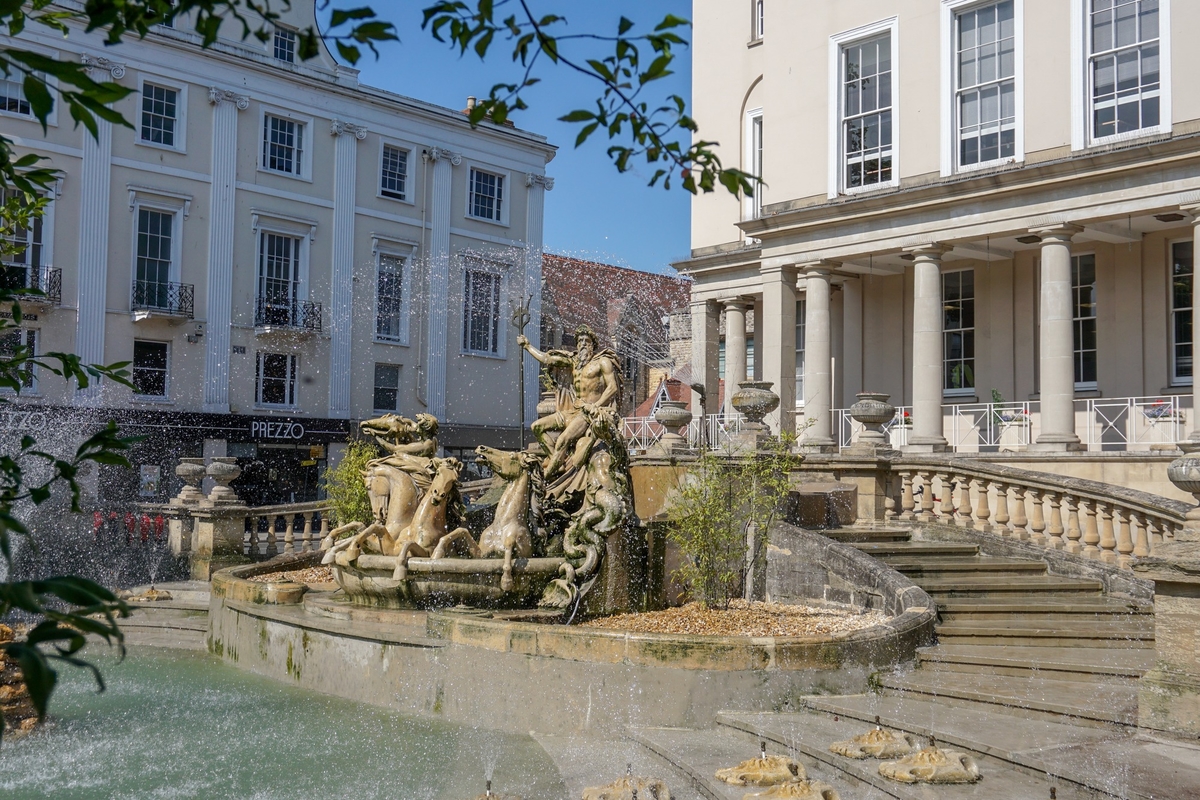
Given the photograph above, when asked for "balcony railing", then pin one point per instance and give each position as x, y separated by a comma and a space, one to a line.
164, 297
46, 280
299, 314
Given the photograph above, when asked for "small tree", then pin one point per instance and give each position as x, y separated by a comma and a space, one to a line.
720, 516
344, 483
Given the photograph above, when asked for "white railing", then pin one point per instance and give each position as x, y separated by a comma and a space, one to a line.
1118, 423
642, 433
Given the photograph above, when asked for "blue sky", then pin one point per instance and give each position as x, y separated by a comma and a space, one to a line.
594, 212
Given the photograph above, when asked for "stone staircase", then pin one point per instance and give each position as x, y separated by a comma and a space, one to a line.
1033, 674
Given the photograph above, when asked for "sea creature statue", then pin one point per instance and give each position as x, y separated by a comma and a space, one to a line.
426, 535
932, 765
876, 743
510, 534
630, 787
763, 771
796, 790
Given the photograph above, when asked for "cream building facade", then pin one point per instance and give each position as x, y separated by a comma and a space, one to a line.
277, 249
965, 200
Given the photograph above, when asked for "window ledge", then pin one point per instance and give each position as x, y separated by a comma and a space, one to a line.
292, 175
391, 199
948, 397
498, 223
477, 354
754, 42
391, 342
156, 146
286, 410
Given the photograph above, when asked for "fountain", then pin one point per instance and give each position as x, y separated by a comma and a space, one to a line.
557, 508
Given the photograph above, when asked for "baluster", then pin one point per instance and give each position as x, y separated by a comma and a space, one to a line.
1020, 522
1091, 533
1168, 530
1055, 531
907, 504
289, 534
982, 512
307, 534
963, 513
271, 543
1141, 534
1153, 533
927, 514
252, 548
324, 525
1037, 525
889, 498
1001, 518
1124, 539
1074, 534
946, 511
247, 534
1108, 539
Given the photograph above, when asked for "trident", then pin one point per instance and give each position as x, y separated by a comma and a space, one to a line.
521, 318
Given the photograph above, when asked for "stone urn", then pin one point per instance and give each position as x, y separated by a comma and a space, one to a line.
675, 416
1184, 472
754, 400
873, 411
191, 471
223, 471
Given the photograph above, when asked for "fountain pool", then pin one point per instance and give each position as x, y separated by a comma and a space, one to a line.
175, 724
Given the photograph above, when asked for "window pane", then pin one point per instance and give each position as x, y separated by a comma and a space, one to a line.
394, 173
159, 110
150, 369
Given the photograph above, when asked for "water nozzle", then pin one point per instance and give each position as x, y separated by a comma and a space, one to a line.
628, 767
877, 725
1053, 793
488, 791
762, 749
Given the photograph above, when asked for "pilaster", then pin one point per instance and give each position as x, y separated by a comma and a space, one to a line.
535, 216
438, 312
705, 335
779, 341
341, 319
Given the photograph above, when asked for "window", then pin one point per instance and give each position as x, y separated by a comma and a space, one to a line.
389, 299
152, 275
985, 68
278, 279
1182, 277
1083, 305
754, 139
801, 310
486, 195
1123, 66
481, 312
393, 177
21, 343
958, 331
759, 19
160, 112
23, 249
866, 109
12, 94
275, 379
285, 45
283, 144
387, 387
150, 369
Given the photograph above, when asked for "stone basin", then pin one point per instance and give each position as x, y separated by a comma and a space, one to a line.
440, 582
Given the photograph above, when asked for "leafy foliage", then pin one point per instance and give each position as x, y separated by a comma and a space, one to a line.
344, 483
720, 504
659, 134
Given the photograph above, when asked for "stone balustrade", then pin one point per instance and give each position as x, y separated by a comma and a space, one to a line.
285, 529
1093, 520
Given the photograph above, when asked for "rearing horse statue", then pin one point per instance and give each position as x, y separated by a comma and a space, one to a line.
509, 534
426, 535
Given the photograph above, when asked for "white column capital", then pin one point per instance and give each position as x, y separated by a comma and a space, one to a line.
545, 181
931, 251
217, 95
439, 153
339, 128
1057, 232
101, 64
739, 303
822, 267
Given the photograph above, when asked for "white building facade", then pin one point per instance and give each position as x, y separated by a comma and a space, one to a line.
966, 202
278, 250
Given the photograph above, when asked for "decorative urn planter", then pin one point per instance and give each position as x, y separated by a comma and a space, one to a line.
223, 471
675, 416
754, 400
191, 471
1184, 472
873, 411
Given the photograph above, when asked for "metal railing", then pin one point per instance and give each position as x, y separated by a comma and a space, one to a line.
284, 313
165, 297
642, 433
1131, 423
847, 430
46, 280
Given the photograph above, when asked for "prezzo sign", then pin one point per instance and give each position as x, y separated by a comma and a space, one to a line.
277, 430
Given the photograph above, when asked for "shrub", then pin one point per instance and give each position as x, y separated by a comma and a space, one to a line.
344, 483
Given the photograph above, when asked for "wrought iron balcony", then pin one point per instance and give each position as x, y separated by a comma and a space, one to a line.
287, 313
164, 297
46, 280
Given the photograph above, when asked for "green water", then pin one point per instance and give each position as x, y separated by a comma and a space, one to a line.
175, 724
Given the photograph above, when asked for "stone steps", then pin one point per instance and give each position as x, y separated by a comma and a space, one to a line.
1007, 635
1053, 611
999, 586
1017, 660
883, 550
940, 566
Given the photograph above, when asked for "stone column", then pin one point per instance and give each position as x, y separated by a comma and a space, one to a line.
818, 354
927, 350
221, 233
538, 185
758, 338
439, 280
735, 350
705, 333
779, 341
95, 186
1193, 442
1057, 341
341, 311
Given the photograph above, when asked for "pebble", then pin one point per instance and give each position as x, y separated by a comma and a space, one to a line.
743, 618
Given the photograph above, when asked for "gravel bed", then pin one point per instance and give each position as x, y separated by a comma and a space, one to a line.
308, 576
744, 619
